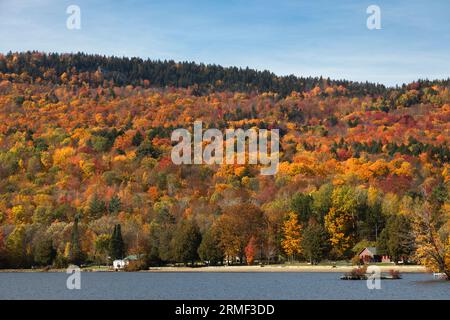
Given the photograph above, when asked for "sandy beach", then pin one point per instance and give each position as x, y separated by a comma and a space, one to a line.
243, 268
284, 268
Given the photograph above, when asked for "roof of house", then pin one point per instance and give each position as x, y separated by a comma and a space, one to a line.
133, 257
372, 250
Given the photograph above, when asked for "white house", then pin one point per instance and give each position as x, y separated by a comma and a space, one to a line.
120, 264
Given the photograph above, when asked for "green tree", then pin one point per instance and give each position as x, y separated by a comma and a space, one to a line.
97, 207
315, 243
186, 240
116, 245
114, 204
153, 257
101, 245
161, 233
301, 205
396, 239
137, 139
210, 249
372, 220
166, 233
147, 149
76, 255
100, 144
322, 201
44, 252
16, 247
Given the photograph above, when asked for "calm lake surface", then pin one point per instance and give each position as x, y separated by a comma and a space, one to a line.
273, 285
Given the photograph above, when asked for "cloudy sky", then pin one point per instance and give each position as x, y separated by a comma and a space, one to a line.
305, 38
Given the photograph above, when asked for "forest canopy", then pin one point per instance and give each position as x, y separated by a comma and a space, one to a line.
86, 174
136, 71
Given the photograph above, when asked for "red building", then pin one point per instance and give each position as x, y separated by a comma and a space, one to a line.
369, 254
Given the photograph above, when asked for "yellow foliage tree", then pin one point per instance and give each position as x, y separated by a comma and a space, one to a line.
61, 156
292, 232
338, 223
432, 239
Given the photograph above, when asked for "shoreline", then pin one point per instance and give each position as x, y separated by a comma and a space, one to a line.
286, 268
243, 268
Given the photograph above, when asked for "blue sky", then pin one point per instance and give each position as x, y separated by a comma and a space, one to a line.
302, 37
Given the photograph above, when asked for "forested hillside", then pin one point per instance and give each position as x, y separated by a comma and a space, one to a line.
80, 68
86, 172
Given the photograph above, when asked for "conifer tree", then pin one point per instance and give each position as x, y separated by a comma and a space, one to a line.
116, 246
75, 253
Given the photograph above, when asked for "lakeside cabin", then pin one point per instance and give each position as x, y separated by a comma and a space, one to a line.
369, 254
120, 264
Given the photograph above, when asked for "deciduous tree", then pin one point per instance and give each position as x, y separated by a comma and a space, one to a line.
210, 249
292, 236
250, 251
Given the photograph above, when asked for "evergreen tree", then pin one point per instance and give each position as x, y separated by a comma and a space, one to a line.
75, 254
97, 207
117, 246
137, 139
165, 242
204, 78
186, 241
153, 256
147, 149
114, 204
315, 243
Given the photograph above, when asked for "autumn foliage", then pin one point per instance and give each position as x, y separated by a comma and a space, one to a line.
86, 136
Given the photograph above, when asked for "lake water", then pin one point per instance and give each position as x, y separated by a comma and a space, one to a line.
146, 285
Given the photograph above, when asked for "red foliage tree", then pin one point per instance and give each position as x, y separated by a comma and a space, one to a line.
250, 251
